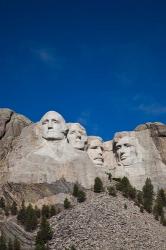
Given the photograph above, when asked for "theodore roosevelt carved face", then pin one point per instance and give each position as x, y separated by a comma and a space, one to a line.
95, 150
53, 126
77, 136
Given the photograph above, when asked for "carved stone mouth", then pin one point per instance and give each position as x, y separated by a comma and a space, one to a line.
123, 158
99, 159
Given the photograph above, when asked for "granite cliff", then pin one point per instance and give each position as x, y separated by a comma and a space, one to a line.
40, 162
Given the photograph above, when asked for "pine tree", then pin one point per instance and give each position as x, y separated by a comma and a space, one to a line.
125, 206
98, 185
132, 192
67, 203
40, 247
38, 212
72, 247
159, 204
10, 245
3, 245
45, 211
81, 196
141, 209
75, 190
52, 210
158, 207
139, 197
31, 219
21, 216
45, 232
2, 203
6, 209
148, 195
162, 196
125, 184
13, 208
16, 245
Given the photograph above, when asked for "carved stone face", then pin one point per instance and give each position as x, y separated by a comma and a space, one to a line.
53, 126
125, 151
95, 151
77, 136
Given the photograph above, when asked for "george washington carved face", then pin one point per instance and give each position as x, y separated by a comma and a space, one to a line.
53, 126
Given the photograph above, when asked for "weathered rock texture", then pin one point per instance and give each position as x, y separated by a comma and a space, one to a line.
38, 164
11, 125
36, 160
102, 223
139, 154
12, 230
41, 154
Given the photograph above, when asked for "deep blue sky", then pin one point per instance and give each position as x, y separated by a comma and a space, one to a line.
102, 63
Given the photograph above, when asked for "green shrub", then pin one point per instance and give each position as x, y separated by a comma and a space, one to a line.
3, 245
98, 185
45, 211
148, 195
21, 216
16, 245
38, 212
75, 190
67, 203
13, 208
45, 232
10, 245
139, 197
111, 191
81, 196
2, 203
53, 211
141, 209
30, 219
125, 206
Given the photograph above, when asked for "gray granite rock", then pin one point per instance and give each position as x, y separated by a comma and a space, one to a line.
11, 125
102, 223
140, 154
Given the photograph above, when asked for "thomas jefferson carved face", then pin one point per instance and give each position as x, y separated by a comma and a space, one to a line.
125, 150
95, 150
77, 136
53, 126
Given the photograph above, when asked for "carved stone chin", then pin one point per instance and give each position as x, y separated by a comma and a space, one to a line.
95, 150
77, 136
53, 126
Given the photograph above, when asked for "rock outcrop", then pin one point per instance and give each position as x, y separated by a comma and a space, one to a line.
139, 154
51, 151
11, 125
11, 228
42, 156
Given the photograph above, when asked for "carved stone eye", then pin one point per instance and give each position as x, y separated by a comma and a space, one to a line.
54, 121
44, 122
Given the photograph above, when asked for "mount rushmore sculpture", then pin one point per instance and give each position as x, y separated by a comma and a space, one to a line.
52, 150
